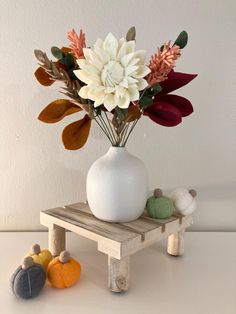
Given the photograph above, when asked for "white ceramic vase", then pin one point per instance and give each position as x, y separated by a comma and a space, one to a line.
117, 186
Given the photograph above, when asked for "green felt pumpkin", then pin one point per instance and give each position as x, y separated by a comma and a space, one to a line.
28, 279
159, 206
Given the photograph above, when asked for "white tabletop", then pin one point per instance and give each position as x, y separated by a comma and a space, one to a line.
202, 281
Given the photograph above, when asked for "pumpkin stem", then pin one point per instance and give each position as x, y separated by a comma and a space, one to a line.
64, 257
158, 193
193, 193
36, 249
27, 262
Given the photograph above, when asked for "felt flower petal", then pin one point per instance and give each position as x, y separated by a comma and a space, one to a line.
175, 80
164, 114
181, 103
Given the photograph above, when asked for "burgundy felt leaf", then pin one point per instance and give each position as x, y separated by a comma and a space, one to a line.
182, 104
175, 80
164, 114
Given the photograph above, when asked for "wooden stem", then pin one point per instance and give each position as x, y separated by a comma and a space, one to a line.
118, 274
56, 239
175, 244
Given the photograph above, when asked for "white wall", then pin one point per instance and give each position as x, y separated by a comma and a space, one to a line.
37, 173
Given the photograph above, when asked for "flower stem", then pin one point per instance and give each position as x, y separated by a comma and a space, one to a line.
132, 127
111, 128
123, 134
107, 129
104, 131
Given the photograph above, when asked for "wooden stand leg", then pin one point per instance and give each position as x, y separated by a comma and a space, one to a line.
118, 274
56, 239
175, 244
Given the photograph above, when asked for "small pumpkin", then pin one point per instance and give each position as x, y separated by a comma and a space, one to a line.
159, 206
184, 201
39, 256
28, 279
63, 271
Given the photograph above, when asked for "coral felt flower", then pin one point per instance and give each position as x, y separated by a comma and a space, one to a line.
113, 73
162, 63
168, 109
77, 43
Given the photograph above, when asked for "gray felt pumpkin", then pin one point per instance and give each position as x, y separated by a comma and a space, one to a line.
28, 279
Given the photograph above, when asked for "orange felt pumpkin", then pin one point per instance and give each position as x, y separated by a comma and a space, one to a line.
63, 271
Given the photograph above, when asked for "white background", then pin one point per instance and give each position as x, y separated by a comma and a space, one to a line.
37, 173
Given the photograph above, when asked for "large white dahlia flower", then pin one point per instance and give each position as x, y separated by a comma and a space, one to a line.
114, 72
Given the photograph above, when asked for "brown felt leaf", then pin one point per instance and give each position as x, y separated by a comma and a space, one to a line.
133, 113
75, 135
131, 34
65, 49
39, 55
57, 110
43, 77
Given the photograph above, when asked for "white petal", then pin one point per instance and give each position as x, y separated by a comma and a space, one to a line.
109, 102
123, 102
86, 66
120, 91
103, 56
141, 55
134, 61
81, 63
124, 83
109, 89
82, 75
131, 69
133, 93
126, 48
87, 54
142, 83
132, 80
83, 92
98, 44
126, 59
98, 101
141, 72
110, 45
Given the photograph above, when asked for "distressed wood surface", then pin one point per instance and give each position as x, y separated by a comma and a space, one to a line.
56, 239
117, 240
175, 245
118, 274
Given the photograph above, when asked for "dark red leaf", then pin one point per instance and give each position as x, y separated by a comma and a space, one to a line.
164, 114
181, 103
175, 80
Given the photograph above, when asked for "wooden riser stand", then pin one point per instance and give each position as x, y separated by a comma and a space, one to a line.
118, 240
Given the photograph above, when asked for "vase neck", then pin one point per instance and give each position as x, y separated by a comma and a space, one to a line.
117, 151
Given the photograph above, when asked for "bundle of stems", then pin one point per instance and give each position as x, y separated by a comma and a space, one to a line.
118, 136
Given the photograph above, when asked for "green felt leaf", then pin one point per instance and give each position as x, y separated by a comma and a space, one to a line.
156, 88
182, 39
162, 47
146, 101
121, 113
57, 53
67, 60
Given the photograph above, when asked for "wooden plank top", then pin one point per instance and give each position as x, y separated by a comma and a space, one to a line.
91, 223
115, 239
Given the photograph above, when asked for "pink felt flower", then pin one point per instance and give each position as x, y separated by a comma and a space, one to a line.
162, 63
77, 43
168, 109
